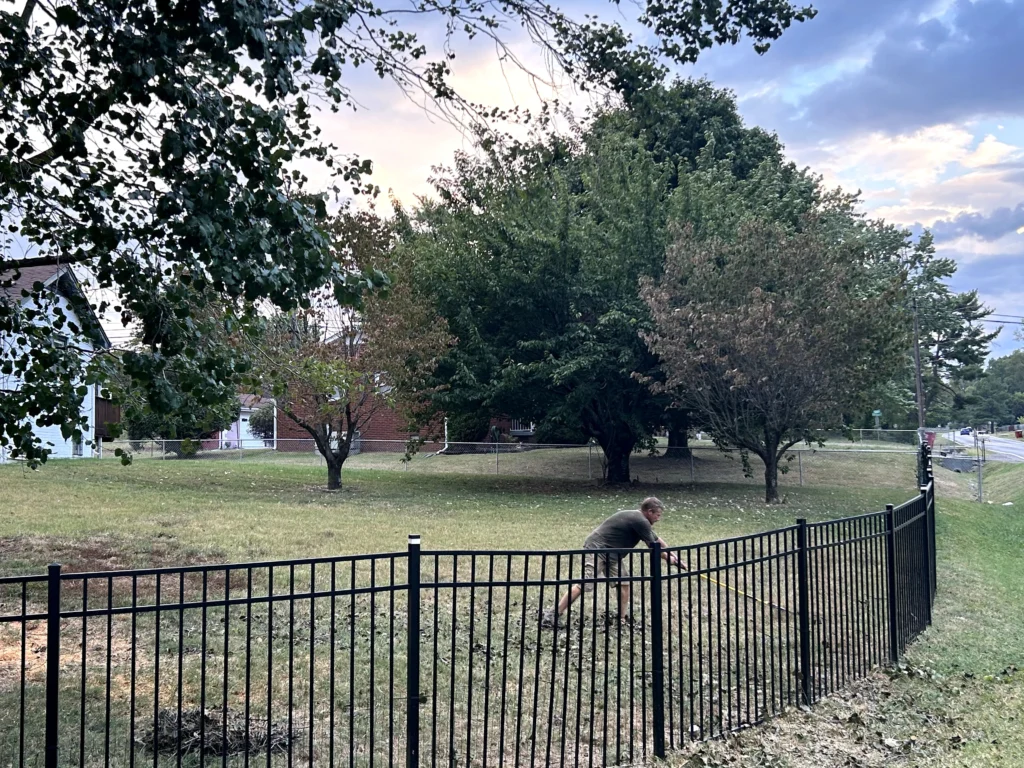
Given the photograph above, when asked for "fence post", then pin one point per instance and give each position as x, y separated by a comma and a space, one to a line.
931, 538
657, 654
52, 665
926, 541
804, 611
890, 569
412, 684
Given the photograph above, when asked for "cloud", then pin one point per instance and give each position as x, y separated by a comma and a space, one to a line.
997, 280
998, 224
404, 135
990, 151
910, 160
930, 72
841, 30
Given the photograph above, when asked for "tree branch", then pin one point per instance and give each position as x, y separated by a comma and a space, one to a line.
102, 102
46, 261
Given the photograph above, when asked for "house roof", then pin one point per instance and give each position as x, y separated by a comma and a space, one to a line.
62, 278
28, 277
252, 401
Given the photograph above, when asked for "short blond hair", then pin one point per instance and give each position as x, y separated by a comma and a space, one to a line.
651, 503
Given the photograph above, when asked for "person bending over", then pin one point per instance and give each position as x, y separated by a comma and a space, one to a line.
623, 530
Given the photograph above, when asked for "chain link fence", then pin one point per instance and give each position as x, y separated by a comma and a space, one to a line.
855, 463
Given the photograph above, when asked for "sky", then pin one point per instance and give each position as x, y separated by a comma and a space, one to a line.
917, 103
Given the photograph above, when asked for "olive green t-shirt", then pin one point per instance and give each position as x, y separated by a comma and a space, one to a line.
623, 530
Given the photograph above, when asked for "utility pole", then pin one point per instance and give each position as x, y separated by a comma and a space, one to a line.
978, 447
917, 375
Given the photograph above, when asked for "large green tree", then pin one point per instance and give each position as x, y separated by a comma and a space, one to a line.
770, 334
160, 144
954, 341
687, 124
999, 395
533, 256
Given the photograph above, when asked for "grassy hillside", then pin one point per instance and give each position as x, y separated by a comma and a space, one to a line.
958, 699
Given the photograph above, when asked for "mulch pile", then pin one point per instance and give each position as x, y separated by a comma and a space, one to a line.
205, 732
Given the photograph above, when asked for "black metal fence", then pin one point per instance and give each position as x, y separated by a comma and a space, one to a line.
441, 657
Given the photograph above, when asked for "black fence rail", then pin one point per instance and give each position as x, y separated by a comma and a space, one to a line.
442, 657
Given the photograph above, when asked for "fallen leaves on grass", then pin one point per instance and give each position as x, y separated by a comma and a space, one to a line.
901, 716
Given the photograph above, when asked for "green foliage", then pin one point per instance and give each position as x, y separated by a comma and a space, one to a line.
192, 421
771, 335
679, 121
999, 395
544, 299
468, 427
331, 369
262, 420
560, 229
161, 146
954, 343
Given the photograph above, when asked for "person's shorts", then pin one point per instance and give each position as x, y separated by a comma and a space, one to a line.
600, 565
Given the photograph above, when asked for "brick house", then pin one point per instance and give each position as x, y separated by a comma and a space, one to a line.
384, 431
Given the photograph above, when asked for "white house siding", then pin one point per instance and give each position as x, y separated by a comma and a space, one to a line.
51, 435
238, 435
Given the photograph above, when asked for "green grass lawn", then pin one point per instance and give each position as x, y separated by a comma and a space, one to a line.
100, 514
958, 702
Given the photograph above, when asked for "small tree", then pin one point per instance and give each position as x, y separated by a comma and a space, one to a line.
331, 369
772, 335
261, 422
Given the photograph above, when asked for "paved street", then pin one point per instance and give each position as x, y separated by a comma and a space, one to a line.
996, 448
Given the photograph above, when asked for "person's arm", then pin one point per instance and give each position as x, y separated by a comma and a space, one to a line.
670, 557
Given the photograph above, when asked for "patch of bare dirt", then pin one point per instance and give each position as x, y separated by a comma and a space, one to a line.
11, 651
99, 553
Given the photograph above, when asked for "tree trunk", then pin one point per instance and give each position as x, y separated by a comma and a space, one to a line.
771, 473
618, 465
617, 450
678, 444
771, 482
678, 436
334, 473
